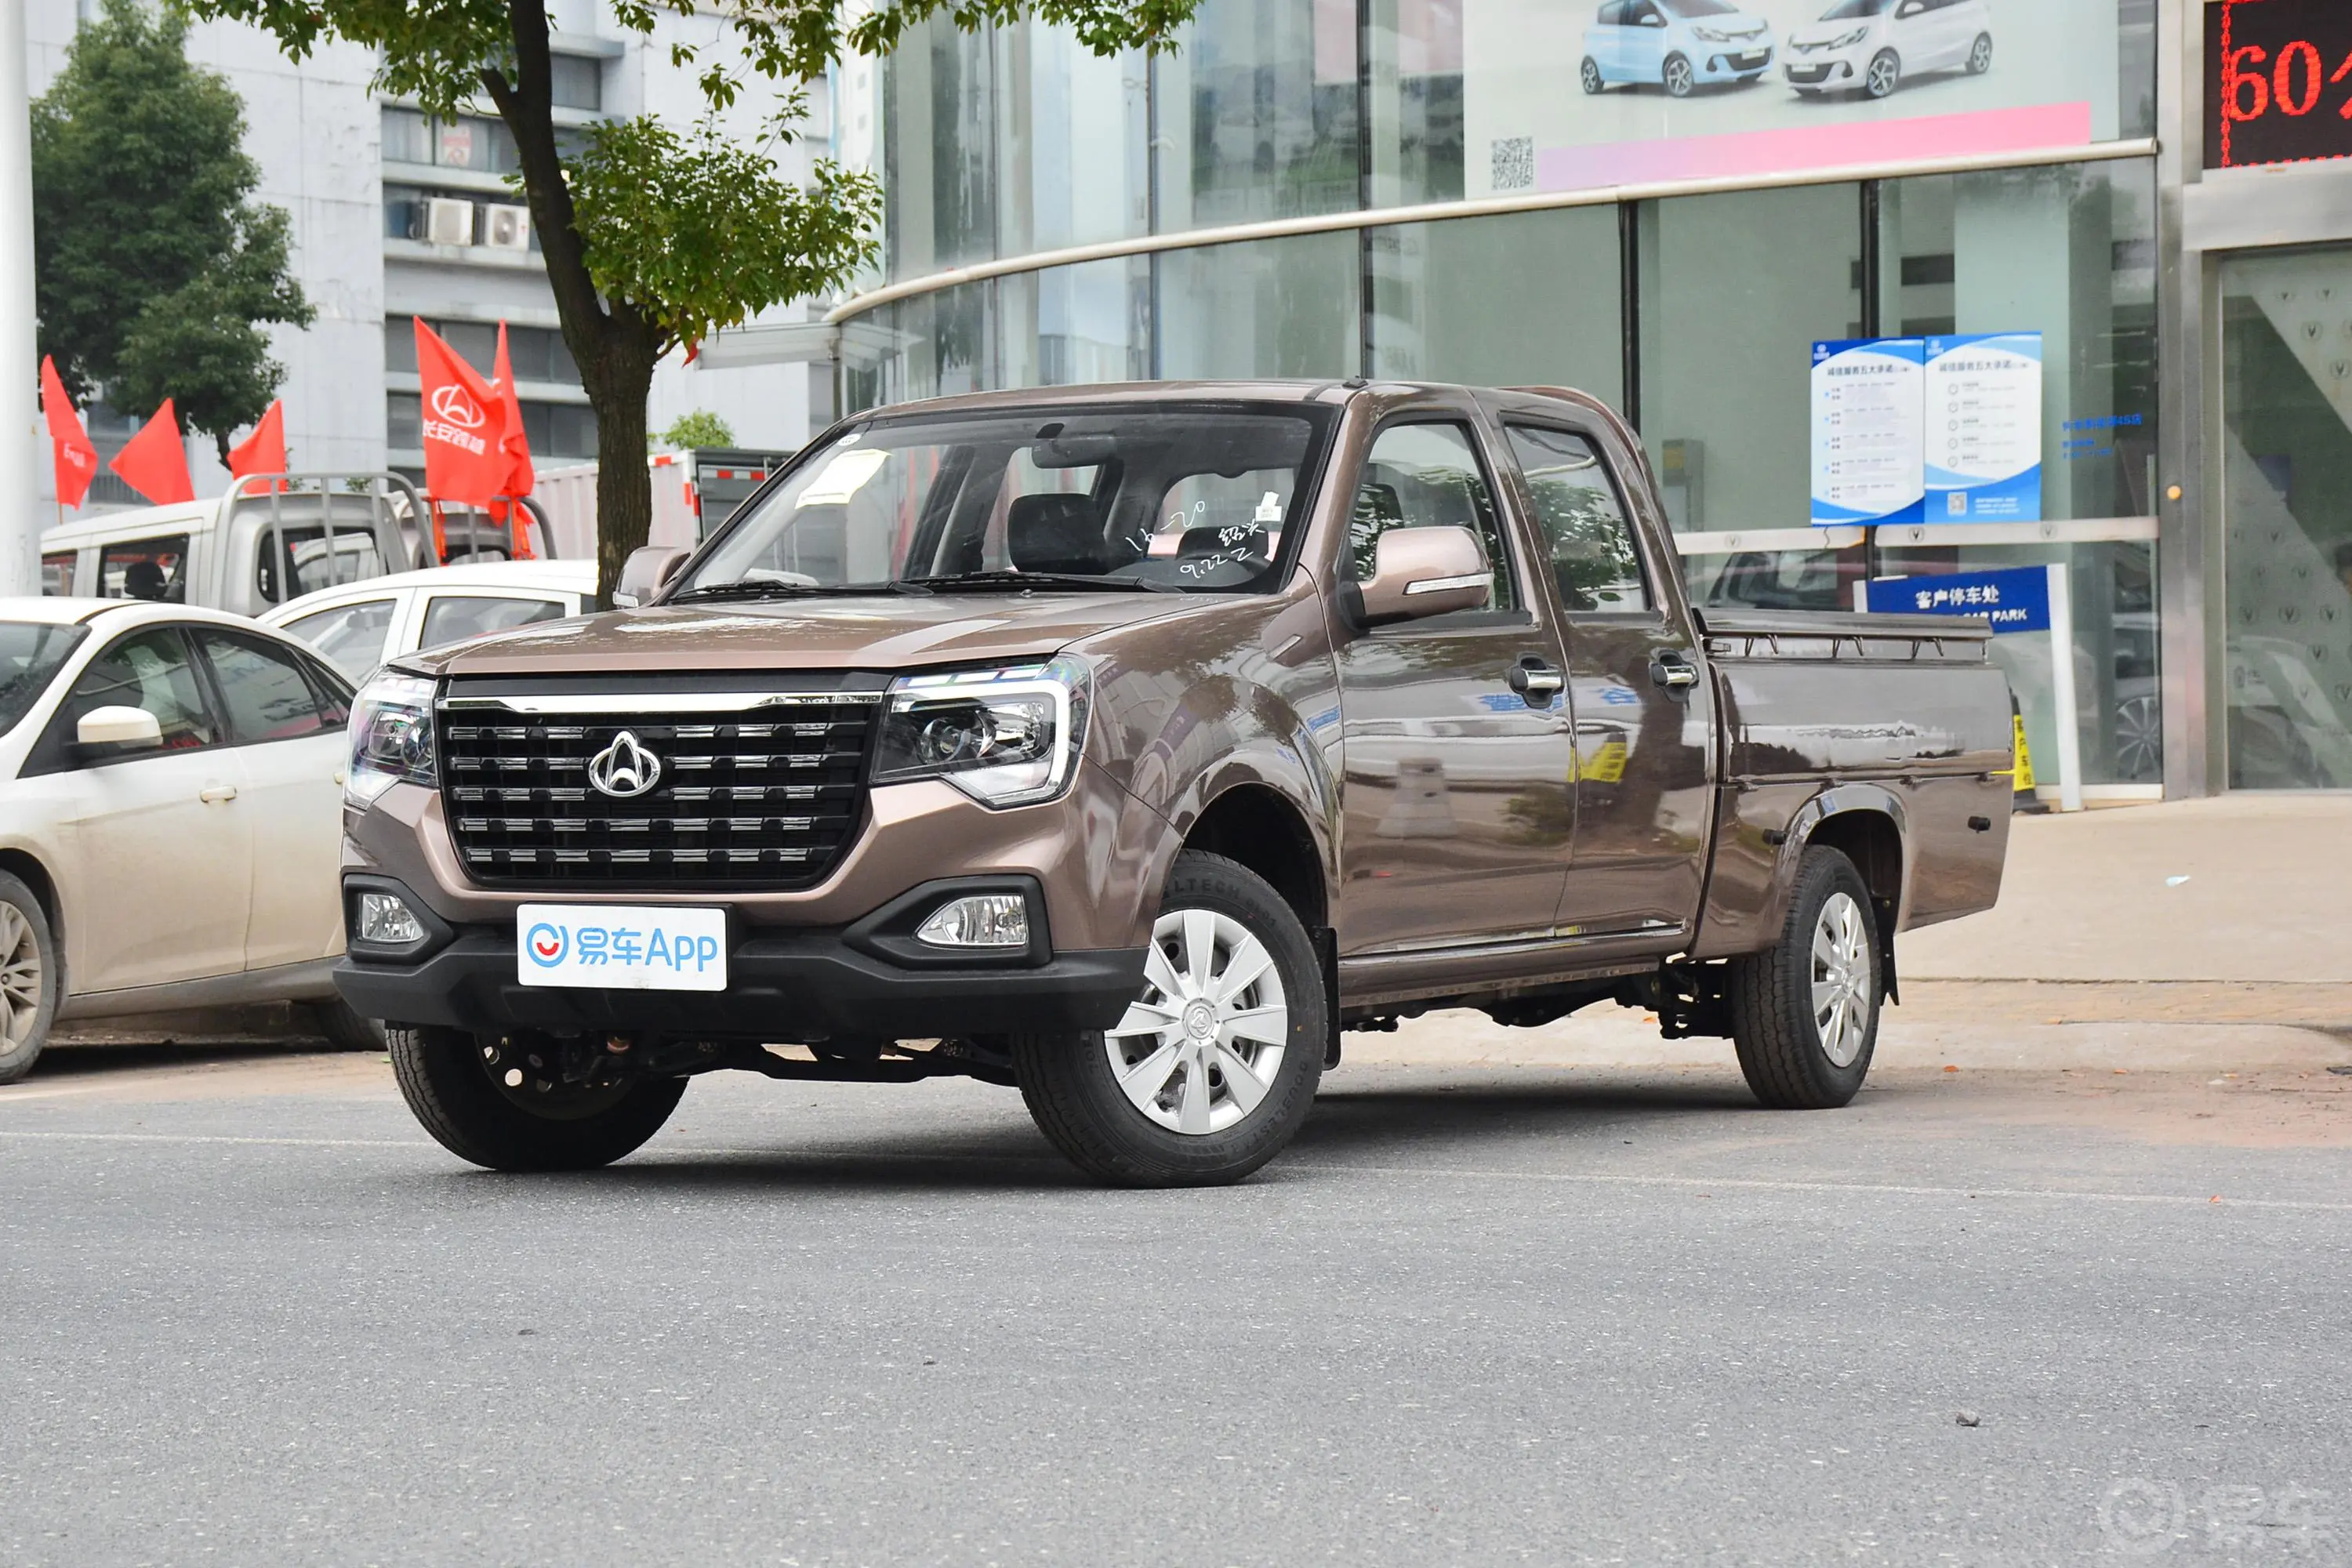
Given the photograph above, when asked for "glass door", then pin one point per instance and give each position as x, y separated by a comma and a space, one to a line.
2286, 479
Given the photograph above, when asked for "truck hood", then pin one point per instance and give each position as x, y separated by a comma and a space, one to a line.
885, 632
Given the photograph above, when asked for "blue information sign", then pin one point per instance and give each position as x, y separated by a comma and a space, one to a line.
2013, 600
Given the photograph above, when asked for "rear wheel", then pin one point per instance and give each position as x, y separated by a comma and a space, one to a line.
1588, 73
1804, 1012
30, 978
1213, 1069
1981, 55
1678, 76
507, 1108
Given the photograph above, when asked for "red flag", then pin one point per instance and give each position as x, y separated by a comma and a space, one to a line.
77, 459
465, 424
155, 461
264, 451
520, 475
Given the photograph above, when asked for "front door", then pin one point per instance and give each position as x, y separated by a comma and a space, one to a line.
156, 884
1458, 816
1644, 722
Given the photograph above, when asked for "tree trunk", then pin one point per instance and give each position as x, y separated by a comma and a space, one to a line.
618, 391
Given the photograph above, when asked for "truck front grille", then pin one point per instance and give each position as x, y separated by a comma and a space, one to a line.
767, 794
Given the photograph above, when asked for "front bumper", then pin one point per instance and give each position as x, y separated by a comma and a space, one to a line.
1824, 70
1733, 62
862, 982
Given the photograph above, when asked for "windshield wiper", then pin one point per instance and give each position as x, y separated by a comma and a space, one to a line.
769, 588
1069, 580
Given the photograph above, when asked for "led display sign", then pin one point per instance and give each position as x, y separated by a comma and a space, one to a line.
2278, 81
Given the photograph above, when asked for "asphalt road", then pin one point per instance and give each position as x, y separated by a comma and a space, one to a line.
1477, 1316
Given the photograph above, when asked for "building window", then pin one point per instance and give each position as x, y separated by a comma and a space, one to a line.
1530, 298
938, 154
576, 82
538, 354
1258, 115
553, 429
1268, 308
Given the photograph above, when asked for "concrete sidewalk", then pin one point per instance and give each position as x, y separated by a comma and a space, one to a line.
2212, 934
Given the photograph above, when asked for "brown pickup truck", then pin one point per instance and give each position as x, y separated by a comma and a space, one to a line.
1128, 745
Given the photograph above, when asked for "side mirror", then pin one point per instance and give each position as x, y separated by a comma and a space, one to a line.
646, 571
1418, 573
106, 731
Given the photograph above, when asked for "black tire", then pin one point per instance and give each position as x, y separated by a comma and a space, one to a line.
344, 1030
1883, 77
1678, 83
1069, 1084
1588, 75
32, 977
1981, 55
1784, 1049
445, 1076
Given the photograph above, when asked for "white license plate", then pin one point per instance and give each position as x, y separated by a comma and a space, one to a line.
621, 947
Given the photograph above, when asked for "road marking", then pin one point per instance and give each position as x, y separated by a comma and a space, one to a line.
9, 1096
223, 1138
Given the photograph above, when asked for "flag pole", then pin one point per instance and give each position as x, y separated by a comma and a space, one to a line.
20, 546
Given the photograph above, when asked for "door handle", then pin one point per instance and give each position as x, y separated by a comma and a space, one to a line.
1537, 680
214, 793
1672, 669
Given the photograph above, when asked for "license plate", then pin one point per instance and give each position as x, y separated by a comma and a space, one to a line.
621, 947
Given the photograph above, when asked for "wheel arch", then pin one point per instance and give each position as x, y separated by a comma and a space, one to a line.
1258, 826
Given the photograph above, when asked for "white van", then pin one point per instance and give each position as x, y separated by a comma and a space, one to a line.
268, 539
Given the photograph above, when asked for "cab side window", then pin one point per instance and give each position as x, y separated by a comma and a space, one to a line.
153, 569
1594, 558
351, 636
268, 694
150, 669
1427, 476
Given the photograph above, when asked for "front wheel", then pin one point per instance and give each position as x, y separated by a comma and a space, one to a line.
1213, 1069
1804, 1012
1678, 78
507, 1108
30, 978
1981, 55
1588, 73
1885, 76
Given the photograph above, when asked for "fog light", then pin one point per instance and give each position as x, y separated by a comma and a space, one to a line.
982, 919
385, 919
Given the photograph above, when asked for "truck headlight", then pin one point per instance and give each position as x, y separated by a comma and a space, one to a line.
1004, 737
392, 737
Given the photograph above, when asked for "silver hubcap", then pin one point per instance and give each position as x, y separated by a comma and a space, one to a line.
1678, 78
20, 980
1884, 74
1199, 1050
1841, 998
1981, 56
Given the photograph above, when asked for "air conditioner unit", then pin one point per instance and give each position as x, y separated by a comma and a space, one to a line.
506, 226
449, 222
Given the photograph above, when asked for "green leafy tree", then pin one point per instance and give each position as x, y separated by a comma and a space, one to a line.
653, 236
153, 263
700, 428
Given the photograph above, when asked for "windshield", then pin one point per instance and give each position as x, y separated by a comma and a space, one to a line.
30, 653
1852, 10
1157, 496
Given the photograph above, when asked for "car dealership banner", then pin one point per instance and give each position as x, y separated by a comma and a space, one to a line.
1965, 79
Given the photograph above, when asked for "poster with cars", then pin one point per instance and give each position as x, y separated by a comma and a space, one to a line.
1869, 431
1562, 97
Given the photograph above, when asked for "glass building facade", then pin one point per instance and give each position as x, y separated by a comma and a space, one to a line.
1514, 193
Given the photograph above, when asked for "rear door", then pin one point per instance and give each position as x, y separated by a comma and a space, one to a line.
285, 722
1457, 814
1644, 717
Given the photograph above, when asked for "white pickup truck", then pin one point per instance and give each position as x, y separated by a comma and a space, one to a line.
267, 540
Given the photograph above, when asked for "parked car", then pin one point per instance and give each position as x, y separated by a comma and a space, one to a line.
1673, 44
930, 763
1869, 45
360, 627
171, 781
266, 540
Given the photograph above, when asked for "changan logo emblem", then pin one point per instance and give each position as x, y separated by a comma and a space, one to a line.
450, 402
624, 769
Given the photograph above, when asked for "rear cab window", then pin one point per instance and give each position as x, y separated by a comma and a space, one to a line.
153, 569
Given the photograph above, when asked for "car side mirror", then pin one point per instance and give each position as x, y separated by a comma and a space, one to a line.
1418, 573
645, 572
107, 731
